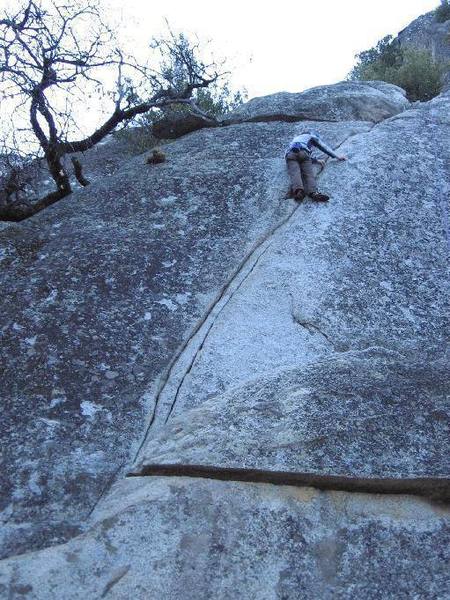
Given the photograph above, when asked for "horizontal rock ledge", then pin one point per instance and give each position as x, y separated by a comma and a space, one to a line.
365, 419
436, 488
347, 100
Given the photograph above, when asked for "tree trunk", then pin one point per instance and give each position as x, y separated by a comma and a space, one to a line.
22, 209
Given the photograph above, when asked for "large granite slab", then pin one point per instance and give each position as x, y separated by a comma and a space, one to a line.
100, 291
343, 101
193, 539
368, 420
370, 268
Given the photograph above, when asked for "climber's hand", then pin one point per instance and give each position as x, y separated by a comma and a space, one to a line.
342, 158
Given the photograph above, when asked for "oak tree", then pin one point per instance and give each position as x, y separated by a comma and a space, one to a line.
54, 55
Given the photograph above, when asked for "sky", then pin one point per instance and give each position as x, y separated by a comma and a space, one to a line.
274, 46
268, 47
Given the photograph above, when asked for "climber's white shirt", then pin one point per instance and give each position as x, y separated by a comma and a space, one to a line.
309, 141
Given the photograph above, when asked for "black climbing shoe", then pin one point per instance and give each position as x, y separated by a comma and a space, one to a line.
299, 194
318, 197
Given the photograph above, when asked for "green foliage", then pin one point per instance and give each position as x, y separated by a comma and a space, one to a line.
136, 139
177, 69
218, 99
373, 63
419, 75
412, 69
215, 100
179, 60
442, 12
376, 61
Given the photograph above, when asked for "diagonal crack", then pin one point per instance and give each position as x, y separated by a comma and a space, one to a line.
312, 328
120, 574
111, 479
209, 313
216, 316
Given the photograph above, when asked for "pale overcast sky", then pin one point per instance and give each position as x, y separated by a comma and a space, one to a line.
268, 47
277, 46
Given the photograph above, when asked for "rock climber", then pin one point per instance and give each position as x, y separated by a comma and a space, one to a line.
299, 162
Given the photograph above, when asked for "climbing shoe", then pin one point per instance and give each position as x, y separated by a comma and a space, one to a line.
318, 197
299, 194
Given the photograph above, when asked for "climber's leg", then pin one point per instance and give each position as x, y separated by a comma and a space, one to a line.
308, 175
294, 172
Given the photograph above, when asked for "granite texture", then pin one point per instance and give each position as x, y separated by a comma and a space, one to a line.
198, 539
347, 100
360, 417
189, 315
101, 290
369, 268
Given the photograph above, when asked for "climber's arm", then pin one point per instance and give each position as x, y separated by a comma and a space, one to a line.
316, 141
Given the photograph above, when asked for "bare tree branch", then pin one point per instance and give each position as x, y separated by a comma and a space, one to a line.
78, 169
48, 66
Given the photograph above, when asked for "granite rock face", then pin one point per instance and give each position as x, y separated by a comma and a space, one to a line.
370, 268
427, 34
361, 417
99, 293
344, 101
188, 320
201, 539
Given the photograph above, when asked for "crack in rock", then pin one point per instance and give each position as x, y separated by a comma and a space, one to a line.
164, 381
120, 574
312, 328
210, 314
208, 331
435, 488
106, 488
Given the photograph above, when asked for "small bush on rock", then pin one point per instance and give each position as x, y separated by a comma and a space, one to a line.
419, 75
412, 69
157, 157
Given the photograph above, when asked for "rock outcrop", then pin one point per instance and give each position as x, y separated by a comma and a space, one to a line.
176, 537
426, 33
99, 294
344, 101
176, 124
272, 377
